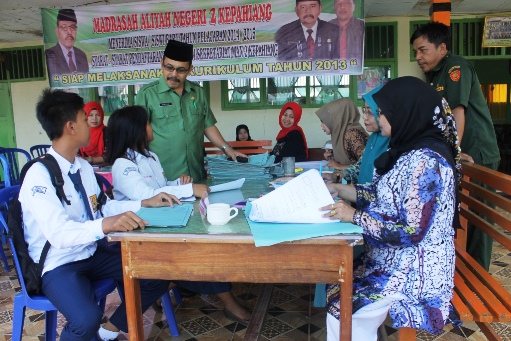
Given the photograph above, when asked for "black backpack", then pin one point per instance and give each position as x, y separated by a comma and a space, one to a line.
31, 271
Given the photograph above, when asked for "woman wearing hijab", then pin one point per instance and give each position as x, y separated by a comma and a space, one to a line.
408, 215
340, 119
291, 140
242, 133
96, 148
361, 172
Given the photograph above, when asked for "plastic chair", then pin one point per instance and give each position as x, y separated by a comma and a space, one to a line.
6, 177
5, 183
39, 302
13, 166
39, 149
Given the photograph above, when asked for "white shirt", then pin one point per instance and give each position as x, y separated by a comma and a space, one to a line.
71, 235
144, 179
314, 31
65, 51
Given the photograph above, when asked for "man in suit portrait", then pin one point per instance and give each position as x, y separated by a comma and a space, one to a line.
64, 58
351, 30
309, 37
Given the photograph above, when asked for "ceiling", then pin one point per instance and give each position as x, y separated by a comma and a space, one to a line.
21, 19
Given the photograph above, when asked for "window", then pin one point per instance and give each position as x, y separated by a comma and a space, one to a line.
314, 91
22, 64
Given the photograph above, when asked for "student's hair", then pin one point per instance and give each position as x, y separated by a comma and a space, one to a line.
127, 130
55, 108
435, 32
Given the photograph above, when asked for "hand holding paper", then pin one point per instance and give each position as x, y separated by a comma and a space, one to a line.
298, 201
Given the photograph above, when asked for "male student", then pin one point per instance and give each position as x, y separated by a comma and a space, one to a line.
74, 260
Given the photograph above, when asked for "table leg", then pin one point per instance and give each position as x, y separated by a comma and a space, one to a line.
258, 314
346, 292
132, 297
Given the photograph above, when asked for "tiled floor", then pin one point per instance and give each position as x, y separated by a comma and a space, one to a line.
290, 317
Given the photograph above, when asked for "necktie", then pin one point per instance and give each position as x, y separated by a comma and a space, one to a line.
343, 52
310, 41
72, 65
77, 181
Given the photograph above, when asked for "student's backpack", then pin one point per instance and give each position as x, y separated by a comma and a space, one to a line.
31, 271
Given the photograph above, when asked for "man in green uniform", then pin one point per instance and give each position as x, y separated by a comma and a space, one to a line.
456, 80
180, 116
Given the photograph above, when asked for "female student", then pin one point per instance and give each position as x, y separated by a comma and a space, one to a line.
137, 173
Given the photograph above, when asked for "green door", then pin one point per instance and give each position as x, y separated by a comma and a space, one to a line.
7, 131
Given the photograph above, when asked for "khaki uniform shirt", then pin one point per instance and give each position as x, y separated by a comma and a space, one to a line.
455, 79
178, 126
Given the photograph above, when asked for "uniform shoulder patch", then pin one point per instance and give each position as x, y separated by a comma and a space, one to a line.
455, 75
129, 169
38, 189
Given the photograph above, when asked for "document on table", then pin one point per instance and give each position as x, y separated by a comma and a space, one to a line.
167, 216
228, 186
297, 201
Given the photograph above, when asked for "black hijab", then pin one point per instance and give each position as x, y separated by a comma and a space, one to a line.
243, 126
419, 118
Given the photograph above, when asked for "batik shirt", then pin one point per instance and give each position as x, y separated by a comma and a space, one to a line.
406, 216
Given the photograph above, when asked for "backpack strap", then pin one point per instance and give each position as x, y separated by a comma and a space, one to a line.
57, 181
56, 177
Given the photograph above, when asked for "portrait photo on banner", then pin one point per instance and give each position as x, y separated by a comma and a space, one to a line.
123, 44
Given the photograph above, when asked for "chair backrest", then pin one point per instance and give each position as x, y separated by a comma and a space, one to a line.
39, 149
14, 169
245, 147
6, 195
6, 174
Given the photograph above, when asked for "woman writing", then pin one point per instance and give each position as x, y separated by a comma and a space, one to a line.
408, 215
291, 139
96, 148
340, 119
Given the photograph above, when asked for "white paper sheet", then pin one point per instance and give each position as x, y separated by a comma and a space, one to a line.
236, 184
297, 201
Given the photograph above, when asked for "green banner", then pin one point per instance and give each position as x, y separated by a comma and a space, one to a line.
124, 44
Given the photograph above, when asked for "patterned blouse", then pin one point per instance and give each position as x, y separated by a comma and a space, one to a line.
354, 144
406, 215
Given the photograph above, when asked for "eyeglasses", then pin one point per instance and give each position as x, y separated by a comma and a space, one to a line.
366, 112
181, 70
68, 27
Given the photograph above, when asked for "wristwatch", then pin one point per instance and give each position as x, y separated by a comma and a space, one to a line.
225, 148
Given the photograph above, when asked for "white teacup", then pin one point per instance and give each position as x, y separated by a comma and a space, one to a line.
220, 214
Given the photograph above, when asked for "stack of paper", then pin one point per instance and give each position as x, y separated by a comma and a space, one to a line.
258, 167
167, 216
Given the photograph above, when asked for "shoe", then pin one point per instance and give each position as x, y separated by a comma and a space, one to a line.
230, 315
99, 338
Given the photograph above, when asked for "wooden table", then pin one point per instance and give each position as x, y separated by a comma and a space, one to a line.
227, 253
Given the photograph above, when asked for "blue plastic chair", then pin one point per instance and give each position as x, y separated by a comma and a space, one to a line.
39, 149
168, 309
6, 175
39, 302
5, 183
14, 170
